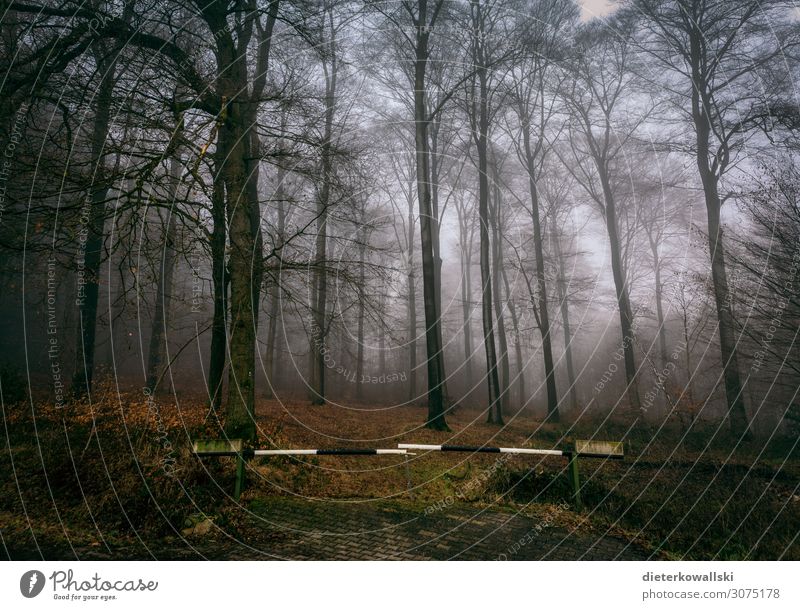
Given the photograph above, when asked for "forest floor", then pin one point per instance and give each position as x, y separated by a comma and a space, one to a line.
115, 479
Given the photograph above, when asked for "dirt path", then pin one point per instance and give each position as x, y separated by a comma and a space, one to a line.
292, 528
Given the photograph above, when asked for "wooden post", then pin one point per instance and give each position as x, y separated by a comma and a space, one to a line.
237, 490
574, 479
225, 448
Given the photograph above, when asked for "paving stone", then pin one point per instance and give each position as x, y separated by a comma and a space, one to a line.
461, 532
293, 528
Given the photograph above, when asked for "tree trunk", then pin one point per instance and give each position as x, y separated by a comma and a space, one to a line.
382, 331
563, 298
319, 324
411, 306
433, 334
466, 300
117, 296
497, 265
219, 280
702, 97
235, 150
252, 163
361, 308
512, 310
687, 353
541, 285
722, 299
319, 305
481, 140
240, 421
623, 299
437, 255
662, 331
727, 341
274, 294
253, 159
161, 315
94, 231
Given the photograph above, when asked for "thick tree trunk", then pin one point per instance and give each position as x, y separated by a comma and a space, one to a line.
219, 280
434, 186
161, 315
433, 334
481, 138
319, 305
710, 166
252, 163
722, 300
411, 306
437, 255
412, 318
240, 421
236, 152
497, 265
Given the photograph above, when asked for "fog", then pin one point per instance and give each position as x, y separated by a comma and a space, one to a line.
302, 206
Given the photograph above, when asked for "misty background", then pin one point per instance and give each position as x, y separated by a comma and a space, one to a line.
226, 202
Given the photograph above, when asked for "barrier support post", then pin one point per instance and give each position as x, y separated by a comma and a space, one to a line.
229, 447
237, 490
409, 488
574, 479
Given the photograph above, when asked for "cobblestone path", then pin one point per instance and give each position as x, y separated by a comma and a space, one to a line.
294, 528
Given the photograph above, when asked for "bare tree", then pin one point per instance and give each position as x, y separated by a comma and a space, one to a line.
531, 100
600, 126
714, 52
404, 175
497, 224
769, 256
327, 45
556, 190
423, 17
88, 279
487, 35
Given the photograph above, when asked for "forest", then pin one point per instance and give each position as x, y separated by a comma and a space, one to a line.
337, 222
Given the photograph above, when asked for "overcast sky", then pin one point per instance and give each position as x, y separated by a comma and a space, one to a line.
594, 8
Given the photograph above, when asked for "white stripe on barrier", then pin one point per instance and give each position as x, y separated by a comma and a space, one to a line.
483, 449
531, 451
